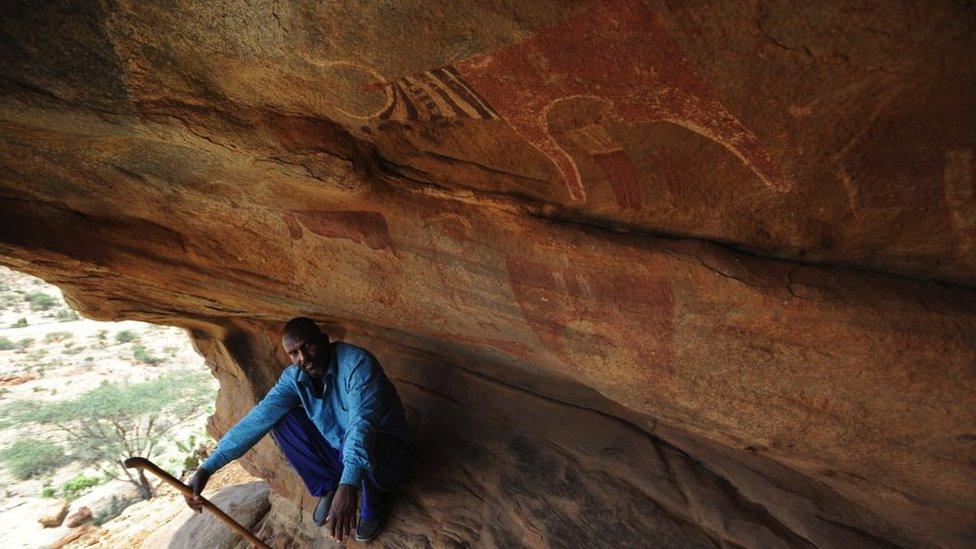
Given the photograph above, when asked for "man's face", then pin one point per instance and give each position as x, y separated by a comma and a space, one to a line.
310, 353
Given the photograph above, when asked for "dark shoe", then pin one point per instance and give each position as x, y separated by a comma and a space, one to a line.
322, 508
366, 530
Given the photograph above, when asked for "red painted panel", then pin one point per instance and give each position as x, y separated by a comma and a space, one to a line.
579, 313
367, 228
615, 51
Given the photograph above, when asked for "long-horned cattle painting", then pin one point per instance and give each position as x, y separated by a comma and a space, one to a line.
614, 54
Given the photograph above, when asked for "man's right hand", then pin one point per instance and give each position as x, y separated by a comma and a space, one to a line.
197, 482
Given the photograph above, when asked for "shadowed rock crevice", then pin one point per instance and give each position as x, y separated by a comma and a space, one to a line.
495, 462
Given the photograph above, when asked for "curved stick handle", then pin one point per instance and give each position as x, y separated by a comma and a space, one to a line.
143, 463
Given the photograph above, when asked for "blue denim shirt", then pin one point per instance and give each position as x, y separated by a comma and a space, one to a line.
357, 403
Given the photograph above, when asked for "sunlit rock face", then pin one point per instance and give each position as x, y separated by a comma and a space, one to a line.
684, 275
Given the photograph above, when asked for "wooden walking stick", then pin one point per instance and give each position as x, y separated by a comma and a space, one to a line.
145, 464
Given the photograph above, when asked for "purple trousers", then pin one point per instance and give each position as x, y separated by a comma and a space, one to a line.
320, 465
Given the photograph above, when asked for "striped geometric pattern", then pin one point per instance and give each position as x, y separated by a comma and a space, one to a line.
436, 93
594, 139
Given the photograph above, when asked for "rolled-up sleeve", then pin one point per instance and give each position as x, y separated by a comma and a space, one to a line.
261, 419
365, 406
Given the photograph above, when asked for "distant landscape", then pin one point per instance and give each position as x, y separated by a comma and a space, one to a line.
76, 397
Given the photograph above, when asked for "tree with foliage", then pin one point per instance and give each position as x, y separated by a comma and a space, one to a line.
116, 421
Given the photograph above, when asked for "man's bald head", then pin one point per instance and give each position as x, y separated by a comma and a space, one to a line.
301, 328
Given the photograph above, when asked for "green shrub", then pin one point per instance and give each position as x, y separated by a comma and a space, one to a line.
40, 301
55, 337
21, 323
12, 413
36, 355
48, 491
6, 344
188, 446
192, 460
23, 344
140, 353
30, 458
125, 336
79, 485
75, 350
67, 315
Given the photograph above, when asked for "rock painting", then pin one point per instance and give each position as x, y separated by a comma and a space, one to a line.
433, 94
366, 228
449, 236
960, 196
612, 160
615, 52
294, 228
597, 319
354, 89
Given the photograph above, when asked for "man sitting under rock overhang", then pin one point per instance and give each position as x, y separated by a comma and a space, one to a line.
340, 423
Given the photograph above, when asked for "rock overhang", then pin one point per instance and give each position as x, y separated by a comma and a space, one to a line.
608, 194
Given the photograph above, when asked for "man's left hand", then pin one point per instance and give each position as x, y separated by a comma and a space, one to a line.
342, 515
